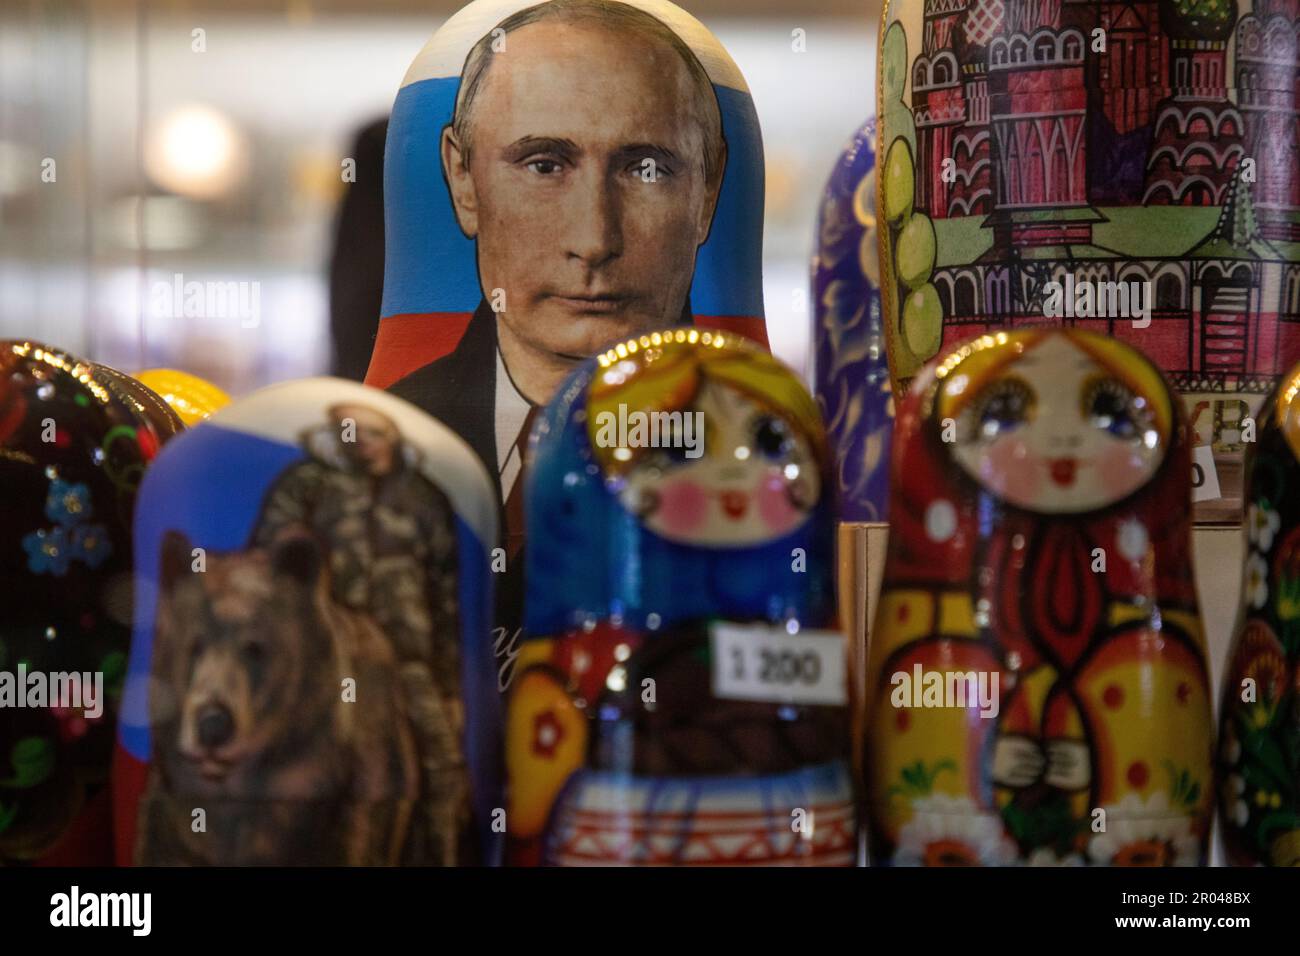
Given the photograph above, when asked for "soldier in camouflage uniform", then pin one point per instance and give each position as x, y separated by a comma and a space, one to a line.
390, 537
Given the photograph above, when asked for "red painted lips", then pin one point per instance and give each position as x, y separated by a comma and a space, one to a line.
735, 504
1064, 470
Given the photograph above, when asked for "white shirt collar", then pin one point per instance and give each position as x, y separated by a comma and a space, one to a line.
511, 412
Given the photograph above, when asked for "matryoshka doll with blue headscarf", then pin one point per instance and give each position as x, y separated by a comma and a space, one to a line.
676, 700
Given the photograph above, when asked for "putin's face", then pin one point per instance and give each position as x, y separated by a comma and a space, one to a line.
584, 186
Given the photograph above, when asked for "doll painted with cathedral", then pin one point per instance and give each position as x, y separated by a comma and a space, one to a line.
1038, 691
1259, 734
676, 702
1152, 145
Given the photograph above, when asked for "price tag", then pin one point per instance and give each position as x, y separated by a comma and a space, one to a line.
763, 662
1205, 477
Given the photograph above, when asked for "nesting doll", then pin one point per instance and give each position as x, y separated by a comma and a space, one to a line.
579, 171
1038, 689
1259, 733
852, 375
1128, 168
190, 397
147, 403
677, 699
309, 675
74, 444
852, 386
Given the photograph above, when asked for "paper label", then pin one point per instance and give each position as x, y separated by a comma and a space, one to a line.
1205, 477
764, 662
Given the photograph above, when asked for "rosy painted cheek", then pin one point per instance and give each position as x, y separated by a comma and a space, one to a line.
1119, 469
774, 505
683, 506
1013, 473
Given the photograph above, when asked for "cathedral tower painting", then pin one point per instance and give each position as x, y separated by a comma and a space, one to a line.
1114, 141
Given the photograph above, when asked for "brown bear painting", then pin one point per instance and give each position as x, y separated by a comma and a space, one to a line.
277, 713
311, 680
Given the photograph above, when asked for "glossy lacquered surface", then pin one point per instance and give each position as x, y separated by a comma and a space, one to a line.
190, 397
1146, 149
852, 374
75, 439
309, 663
1259, 732
624, 194
621, 747
1037, 687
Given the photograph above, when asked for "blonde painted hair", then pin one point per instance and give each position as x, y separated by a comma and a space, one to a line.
665, 372
983, 358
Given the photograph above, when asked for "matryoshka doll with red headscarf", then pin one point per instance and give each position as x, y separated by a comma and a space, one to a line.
1037, 685
677, 700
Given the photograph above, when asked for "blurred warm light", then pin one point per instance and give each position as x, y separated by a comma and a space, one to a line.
315, 176
196, 151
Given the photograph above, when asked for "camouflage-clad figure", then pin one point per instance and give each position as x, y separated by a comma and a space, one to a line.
392, 556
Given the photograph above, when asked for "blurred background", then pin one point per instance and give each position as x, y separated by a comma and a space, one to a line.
149, 139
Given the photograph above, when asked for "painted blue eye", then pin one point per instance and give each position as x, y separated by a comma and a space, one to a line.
771, 437
1005, 405
1111, 406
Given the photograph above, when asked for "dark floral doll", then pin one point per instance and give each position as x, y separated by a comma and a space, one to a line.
1259, 734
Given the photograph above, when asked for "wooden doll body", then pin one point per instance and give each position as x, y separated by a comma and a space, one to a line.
75, 440
676, 701
189, 396
1259, 731
1143, 159
1037, 687
852, 374
310, 665
624, 194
